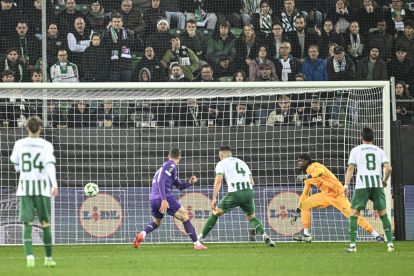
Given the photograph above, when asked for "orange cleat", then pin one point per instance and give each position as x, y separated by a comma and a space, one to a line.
137, 241
200, 247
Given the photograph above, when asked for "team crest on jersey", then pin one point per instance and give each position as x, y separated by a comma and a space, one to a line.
101, 216
198, 208
279, 212
170, 170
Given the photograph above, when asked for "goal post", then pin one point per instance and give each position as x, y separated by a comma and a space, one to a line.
125, 136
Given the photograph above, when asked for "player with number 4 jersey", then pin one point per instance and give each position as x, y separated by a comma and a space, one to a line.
240, 193
373, 171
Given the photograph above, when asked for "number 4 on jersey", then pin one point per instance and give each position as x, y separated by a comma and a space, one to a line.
27, 162
240, 170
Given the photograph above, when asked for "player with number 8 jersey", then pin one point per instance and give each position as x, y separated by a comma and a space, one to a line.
240, 193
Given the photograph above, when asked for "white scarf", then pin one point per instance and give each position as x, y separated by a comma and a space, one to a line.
339, 67
285, 69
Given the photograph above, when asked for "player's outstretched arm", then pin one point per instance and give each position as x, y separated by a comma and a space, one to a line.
182, 184
217, 185
348, 176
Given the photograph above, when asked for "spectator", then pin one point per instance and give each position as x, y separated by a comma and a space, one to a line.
206, 73
226, 11
406, 40
174, 13
256, 66
67, 17
404, 109
383, 40
9, 14
78, 41
132, 18
80, 115
30, 49
314, 115
263, 20
331, 50
283, 114
265, 73
7, 75
368, 16
191, 39
396, 16
275, 40
246, 46
239, 76
177, 74
355, 42
151, 63
248, 9
195, 115
401, 67
314, 68
327, 36
36, 75
288, 15
144, 75
119, 43
13, 63
55, 42
341, 16
63, 70
106, 116
242, 116
221, 51
152, 17
301, 39
160, 41
286, 65
97, 17
113, 5
142, 114
95, 61
55, 119
34, 17
340, 67
195, 10
371, 67
181, 54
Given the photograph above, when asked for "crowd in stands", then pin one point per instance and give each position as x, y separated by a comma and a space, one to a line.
209, 40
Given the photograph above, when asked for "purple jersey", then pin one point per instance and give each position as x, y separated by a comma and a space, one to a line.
164, 179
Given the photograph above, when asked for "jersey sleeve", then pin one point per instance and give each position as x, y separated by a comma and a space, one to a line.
220, 169
384, 158
50, 157
14, 157
352, 160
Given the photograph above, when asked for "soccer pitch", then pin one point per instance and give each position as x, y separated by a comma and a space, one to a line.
219, 259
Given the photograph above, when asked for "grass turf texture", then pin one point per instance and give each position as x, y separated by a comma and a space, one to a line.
219, 259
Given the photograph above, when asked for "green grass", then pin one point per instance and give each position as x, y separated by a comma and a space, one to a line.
219, 259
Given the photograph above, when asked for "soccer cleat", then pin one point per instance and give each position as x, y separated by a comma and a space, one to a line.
379, 239
50, 263
391, 248
137, 241
30, 263
351, 249
268, 241
252, 235
201, 238
200, 247
303, 238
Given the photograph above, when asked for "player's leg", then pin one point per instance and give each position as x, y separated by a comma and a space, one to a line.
156, 221
26, 216
342, 204
227, 203
318, 200
377, 195
359, 202
182, 215
44, 210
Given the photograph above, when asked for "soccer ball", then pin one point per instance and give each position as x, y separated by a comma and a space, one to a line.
91, 189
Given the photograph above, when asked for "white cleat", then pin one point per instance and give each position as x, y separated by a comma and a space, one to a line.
391, 248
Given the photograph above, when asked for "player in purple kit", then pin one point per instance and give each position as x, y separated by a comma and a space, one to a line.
162, 200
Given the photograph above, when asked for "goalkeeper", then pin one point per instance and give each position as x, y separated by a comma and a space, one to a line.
333, 193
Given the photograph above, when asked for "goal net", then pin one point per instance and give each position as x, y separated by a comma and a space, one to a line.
118, 135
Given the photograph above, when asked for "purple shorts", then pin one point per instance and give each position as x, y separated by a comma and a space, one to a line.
156, 204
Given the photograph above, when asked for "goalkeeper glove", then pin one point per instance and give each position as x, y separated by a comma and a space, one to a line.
303, 177
295, 216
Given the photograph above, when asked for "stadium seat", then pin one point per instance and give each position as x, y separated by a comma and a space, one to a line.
226, 78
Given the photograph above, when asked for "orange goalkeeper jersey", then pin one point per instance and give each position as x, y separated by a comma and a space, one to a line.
322, 178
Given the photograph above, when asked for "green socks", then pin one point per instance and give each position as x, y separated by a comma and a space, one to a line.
27, 239
353, 227
257, 226
47, 241
209, 225
387, 227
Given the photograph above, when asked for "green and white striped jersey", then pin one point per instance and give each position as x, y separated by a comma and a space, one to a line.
236, 173
368, 159
30, 157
